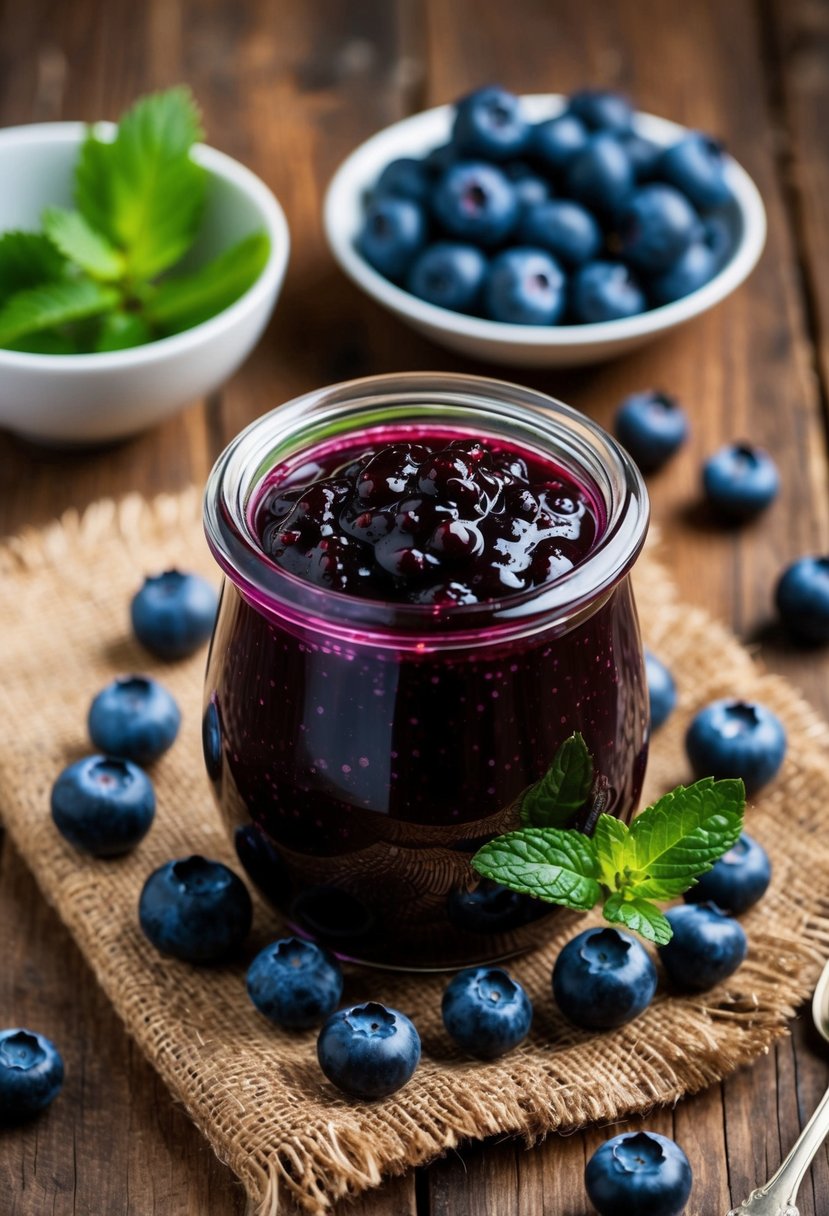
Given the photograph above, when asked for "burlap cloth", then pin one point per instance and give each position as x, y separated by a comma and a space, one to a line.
257, 1093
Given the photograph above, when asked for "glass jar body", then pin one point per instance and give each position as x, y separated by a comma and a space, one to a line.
359, 766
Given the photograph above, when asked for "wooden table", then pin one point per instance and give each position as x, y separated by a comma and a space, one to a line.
289, 87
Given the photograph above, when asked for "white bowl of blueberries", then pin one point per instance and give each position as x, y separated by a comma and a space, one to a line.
543, 230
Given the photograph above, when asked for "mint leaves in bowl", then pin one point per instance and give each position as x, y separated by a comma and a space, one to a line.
138, 267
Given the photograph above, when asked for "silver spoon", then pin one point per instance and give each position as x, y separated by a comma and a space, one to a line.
778, 1196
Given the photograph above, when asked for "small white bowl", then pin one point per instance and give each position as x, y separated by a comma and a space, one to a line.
82, 399
526, 345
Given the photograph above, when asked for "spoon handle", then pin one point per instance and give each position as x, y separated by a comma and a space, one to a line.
777, 1197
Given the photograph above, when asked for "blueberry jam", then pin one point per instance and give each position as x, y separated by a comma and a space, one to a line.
374, 709
426, 519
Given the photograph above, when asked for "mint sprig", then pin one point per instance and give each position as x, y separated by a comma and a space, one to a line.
563, 789
629, 870
98, 278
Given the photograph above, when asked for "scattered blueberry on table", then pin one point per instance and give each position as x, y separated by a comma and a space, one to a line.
652, 426
707, 947
295, 983
195, 909
661, 690
103, 805
802, 599
639, 1173
31, 1074
629, 225
602, 979
737, 881
135, 718
173, 613
731, 738
486, 1012
740, 481
368, 1051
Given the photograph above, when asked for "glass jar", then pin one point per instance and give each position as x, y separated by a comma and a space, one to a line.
361, 751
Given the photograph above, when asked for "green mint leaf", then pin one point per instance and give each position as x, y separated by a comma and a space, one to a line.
557, 866
121, 330
682, 835
27, 259
563, 789
181, 302
143, 191
47, 342
611, 840
54, 304
640, 916
78, 241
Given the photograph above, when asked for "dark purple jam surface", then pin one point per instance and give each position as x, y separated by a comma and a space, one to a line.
358, 779
403, 516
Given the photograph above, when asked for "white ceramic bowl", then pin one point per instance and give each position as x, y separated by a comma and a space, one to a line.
525, 345
81, 399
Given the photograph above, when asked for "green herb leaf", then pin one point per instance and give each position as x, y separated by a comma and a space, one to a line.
53, 304
47, 342
563, 789
554, 865
143, 191
81, 244
611, 840
122, 330
640, 916
682, 835
27, 259
181, 302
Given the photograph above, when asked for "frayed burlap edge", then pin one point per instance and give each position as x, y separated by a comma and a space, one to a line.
295, 1141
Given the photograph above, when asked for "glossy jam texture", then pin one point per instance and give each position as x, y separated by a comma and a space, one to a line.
360, 777
404, 516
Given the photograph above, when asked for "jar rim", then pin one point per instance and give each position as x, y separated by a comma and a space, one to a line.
499, 407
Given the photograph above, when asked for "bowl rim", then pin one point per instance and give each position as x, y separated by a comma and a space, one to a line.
219, 165
352, 178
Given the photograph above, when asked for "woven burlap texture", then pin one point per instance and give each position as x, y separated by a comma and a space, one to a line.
257, 1093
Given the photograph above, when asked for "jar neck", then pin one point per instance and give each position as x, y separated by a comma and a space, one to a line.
483, 407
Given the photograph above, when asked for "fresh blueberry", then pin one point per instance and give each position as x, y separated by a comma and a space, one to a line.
524, 287
661, 690
802, 598
708, 945
486, 1012
737, 881
439, 159
603, 979
368, 1051
173, 614
736, 739
405, 177
740, 481
718, 236
195, 909
211, 740
656, 226
295, 983
605, 291
641, 1173
644, 155
692, 270
103, 806
449, 275
565, 229
530, 189
652, 426
602, 110
31, 1074
556, 141
476, 202
490, 123
134, 717
491, 908
394, 230
601, 175
696, 166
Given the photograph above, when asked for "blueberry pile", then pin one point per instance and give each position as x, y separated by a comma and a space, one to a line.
574, 220
425, 524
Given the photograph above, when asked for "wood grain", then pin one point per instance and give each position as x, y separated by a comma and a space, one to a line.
290, 87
